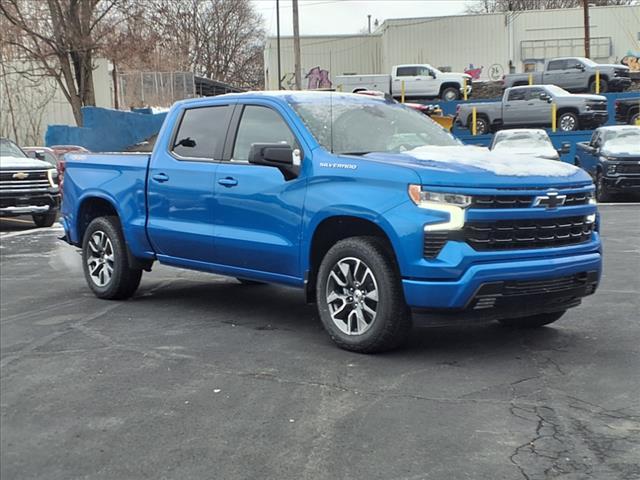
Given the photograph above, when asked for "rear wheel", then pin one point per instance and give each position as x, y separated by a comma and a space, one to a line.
360, 298
450, 94
568, 122
106, 262
482, 125
534, 321
45, 219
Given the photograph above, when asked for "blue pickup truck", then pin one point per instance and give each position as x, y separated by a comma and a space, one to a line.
370, 207
612, 158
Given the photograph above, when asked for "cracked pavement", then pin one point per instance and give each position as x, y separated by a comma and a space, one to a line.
200, 377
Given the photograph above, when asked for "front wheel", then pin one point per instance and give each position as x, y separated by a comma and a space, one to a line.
105, 260
568, 122
450, 94
602, 193
534, 321
360, 298
604, 86
45, 219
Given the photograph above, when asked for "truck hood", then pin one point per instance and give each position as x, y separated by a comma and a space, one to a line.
471, 166
454, 76
586, 96
613, 65
21, 163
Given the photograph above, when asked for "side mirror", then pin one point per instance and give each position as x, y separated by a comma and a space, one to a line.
565, 148
279, 155
33, 155
186, 142
545, 97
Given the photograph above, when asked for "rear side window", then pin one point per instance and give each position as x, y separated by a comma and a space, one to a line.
202, 132
557, 65
260, 125
407, 72
517, 95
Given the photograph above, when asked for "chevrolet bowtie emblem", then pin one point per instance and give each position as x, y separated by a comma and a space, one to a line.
550, 200
20, 175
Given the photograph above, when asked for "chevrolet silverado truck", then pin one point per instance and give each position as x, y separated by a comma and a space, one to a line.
628, 110
575, 74
27, 186
367, 205
532, 107
420, 81
612, 158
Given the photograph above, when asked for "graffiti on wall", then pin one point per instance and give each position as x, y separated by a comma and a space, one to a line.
632, 60
475, 72
316, 77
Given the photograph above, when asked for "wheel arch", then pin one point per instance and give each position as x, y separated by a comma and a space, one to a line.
449, 84
92, 206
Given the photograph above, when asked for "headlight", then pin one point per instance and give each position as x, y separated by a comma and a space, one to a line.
52, 175
452, 203
611, 169
424, 199
591, 199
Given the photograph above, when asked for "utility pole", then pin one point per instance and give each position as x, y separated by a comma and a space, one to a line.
296, 46
278, 42
587, 34
369, 22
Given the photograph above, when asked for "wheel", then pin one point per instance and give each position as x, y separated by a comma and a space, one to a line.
482, 125
105, 260
534, 321
635, 119
45, 219
360, 298
602, 194
567, 122
576, 162
604, 86
450, 94
244, 281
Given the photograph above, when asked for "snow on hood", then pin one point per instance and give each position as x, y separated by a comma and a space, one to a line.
23, 163
540, 152
621, 146
498, 163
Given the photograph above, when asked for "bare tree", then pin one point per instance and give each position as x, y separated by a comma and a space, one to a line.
496, 6
59, 37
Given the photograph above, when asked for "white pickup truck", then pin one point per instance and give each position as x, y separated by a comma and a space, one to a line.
420, 81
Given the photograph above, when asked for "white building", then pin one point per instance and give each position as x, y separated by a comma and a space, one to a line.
486, 46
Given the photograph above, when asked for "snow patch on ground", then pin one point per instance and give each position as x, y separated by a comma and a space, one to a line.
498, 163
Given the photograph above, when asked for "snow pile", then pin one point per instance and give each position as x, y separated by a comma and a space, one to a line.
499, 163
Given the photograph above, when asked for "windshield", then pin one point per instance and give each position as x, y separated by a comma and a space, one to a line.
623, 137
557, 91
522, 140
359, 124
588, 62
10, 149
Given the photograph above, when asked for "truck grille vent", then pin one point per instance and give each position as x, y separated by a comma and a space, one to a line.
598, 106
523, 201
27, 180
628, 168
519, 234
433, 243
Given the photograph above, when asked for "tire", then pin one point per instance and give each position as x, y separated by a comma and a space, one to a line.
634, 119
45, 219
602, 194
604, 86
482, 125
104, 235
450, 94
568, 122
244, 281
576, 162
534, 321
372, 278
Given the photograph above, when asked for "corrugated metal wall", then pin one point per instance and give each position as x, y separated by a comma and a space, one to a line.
481, 44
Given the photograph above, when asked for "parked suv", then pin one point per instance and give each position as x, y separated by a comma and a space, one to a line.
27, 186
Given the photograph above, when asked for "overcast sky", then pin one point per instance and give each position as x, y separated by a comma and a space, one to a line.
349, 16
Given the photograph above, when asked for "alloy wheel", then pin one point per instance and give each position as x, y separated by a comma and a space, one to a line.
567, 123
100, 258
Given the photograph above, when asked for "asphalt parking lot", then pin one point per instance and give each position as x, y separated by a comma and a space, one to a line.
200, 377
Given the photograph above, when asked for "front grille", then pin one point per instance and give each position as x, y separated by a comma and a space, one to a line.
626, 168
598, 106
552, 285
622, 73
433, 243
35, 180
524, 201
521, 234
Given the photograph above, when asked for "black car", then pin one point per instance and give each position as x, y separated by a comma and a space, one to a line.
628, 110
27, 186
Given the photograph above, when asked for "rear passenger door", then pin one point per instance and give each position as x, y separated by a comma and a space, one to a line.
259, 213
408, 75
181, 183
555, 72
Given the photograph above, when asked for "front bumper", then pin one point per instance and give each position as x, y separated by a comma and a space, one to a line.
593, 118
459, 294
24, 203
623, 183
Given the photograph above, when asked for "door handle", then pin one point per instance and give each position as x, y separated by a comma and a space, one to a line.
228, 182
160, 177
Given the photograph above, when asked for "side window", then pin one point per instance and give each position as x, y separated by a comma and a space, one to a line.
423, 71
202, 132
594, 139
407, 71
557, 65
260, 125
518, 94
534, 93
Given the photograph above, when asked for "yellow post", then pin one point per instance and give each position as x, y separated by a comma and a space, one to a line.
597, 81
339, 88
474, 117
530, 78
402, 92
464, 88
554, 109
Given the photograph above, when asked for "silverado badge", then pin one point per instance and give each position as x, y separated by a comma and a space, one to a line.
20, 175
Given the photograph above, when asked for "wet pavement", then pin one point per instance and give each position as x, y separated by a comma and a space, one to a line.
200, 377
